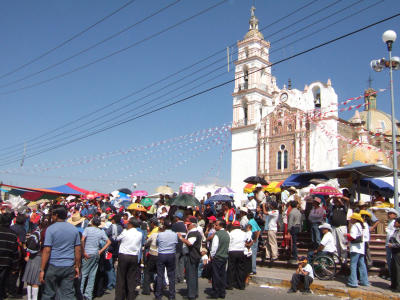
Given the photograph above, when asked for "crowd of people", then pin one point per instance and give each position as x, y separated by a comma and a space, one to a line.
80, 249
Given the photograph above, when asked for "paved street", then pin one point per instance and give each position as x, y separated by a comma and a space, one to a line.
252, 292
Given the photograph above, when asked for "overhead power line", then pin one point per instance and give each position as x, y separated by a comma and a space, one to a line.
82, 67
6, 158
211, 88
67, 40
90, 47
84, 117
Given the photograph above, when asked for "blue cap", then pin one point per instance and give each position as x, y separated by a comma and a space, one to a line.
179, 214
250, 195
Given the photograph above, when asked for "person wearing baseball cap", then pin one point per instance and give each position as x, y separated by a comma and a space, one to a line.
304, 274
192, 242
357, 252
327, 245
237, 243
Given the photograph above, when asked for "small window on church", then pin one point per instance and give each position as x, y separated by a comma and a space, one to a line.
317, 96
246, 78
282, 159
275, 130
246, 52
289, 127
279, 160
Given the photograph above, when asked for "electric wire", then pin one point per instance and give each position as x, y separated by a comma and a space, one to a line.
89, 122
67, 40
90, 47
220, 84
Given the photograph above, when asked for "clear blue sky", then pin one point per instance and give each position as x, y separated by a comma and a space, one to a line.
29, 28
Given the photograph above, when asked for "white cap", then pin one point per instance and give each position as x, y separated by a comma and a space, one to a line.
325, 226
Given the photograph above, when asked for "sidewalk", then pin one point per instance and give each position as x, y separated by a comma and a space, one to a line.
277, 277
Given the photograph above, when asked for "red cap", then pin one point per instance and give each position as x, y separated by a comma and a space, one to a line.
108, 209
90, 216
121, 209
236, 223
212, 218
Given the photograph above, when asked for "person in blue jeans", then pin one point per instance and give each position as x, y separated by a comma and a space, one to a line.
256, 230
357, 252
92, 237
61, 257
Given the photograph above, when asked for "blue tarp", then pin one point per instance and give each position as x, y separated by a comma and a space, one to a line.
65, 189
301, 180
370, 185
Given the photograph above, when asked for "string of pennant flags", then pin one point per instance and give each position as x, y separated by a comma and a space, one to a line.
196, 150
44, 167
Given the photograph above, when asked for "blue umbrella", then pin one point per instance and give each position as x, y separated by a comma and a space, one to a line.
369, 185
125, 203
220, 198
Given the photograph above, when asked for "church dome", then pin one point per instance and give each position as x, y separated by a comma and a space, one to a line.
365, 155
253, 33
253, 30
380, 121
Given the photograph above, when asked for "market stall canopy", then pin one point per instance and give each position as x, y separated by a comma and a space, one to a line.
370, 185
353, 171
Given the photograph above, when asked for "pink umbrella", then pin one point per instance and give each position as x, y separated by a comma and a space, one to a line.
326, 190
139, 194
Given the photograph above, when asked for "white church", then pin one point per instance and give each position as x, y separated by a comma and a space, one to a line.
278, 131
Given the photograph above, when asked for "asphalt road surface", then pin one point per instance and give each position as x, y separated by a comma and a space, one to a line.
252, 292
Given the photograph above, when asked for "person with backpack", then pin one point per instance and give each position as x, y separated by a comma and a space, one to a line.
32, 270
33, 259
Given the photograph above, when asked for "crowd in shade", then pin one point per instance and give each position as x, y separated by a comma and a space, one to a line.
82, 249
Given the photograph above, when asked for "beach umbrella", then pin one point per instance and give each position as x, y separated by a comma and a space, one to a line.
137, 206
185, 200
255, 180
273, 187
125, 203
139, 194
224, 191
223, 198
249, 188
125, 191
146, 202
326, 191
164, 190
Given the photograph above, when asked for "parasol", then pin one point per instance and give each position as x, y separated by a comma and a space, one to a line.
224, 191
125, 203
273, 187
164, 190
137, 206
255, 180
185, 200
326, 191
125, 191
139, 194
146, 202
224, 198
249, 188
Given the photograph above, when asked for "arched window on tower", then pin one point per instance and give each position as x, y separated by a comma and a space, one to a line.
282, 158
245, 112
246, 78
317, 96
246, 52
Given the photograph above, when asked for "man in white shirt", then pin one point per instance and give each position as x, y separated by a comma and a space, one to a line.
252, 204
305, 274
392, 215
128, 262
237, 244
271, 250
327, 245
243, 217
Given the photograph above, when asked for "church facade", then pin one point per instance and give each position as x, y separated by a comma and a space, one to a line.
280, 131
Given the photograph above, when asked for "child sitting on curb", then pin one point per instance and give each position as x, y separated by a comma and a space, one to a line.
305, 274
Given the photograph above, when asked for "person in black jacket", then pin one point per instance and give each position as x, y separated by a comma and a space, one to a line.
9, 255
193, 256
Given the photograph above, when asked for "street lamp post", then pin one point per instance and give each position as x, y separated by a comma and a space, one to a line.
389, 37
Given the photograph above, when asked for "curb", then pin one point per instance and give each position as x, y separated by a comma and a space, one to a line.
319, 289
